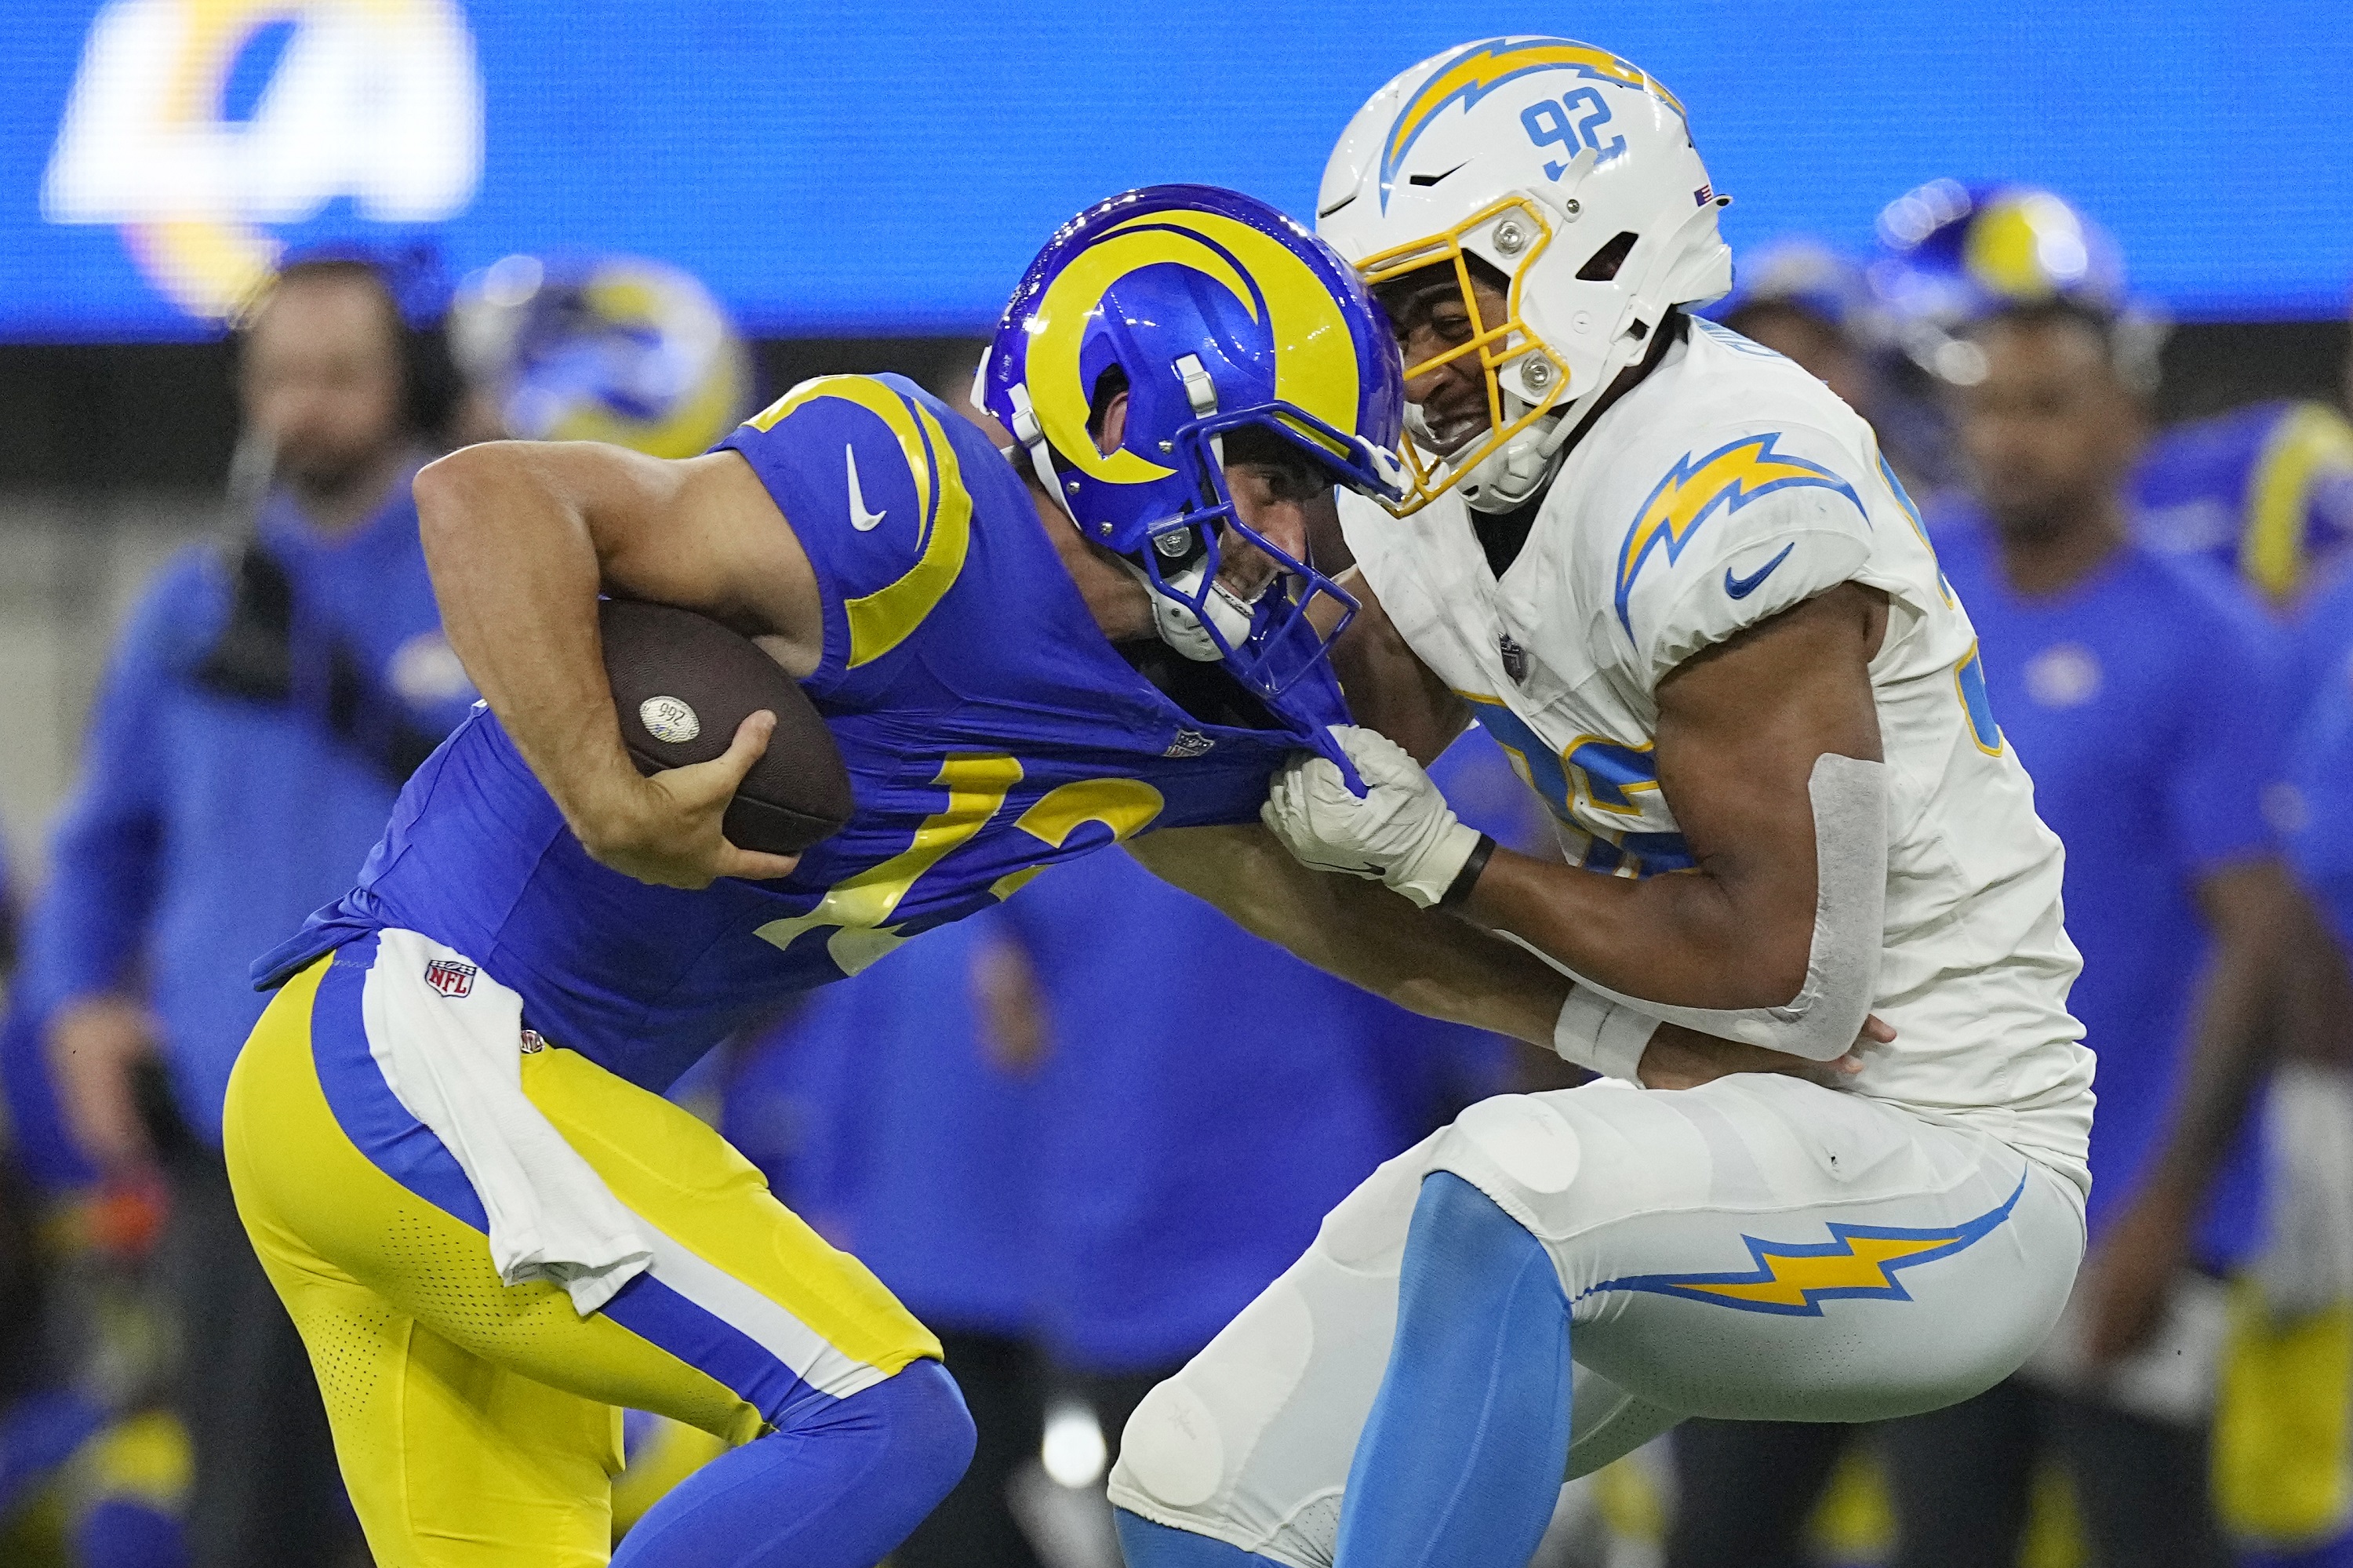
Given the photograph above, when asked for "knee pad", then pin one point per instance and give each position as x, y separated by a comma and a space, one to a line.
1516, 1149
1173, 1452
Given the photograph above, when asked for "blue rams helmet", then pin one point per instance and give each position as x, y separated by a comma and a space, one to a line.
615, 348
1214, 312
1799, 274
1954, 255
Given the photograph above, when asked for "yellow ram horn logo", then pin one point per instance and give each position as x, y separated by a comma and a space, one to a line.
1314, 353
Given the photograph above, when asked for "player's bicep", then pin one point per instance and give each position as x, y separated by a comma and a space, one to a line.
704, 534
1388, 688
1741, 725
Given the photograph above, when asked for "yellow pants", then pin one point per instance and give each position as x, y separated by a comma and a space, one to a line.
477, 1422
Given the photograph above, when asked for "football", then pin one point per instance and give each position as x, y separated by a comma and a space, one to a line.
682, 682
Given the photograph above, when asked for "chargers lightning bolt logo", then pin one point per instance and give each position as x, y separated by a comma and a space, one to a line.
1725, 480
1484, 67
1858, 1263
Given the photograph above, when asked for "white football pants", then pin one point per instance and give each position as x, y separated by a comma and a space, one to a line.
1756, 1249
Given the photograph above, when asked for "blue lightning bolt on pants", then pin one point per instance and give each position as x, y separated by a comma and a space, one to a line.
1757, 1248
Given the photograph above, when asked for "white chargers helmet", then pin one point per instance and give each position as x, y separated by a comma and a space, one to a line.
1573, 174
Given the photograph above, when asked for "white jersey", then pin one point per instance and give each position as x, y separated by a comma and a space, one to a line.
1728, 486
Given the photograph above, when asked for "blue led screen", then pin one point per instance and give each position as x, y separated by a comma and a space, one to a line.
889, 168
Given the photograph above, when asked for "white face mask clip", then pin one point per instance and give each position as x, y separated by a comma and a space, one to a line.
1174, 619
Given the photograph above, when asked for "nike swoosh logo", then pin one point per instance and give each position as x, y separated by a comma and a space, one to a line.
1741, 588
865, 520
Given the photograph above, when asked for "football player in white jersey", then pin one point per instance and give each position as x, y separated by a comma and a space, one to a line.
1671, 572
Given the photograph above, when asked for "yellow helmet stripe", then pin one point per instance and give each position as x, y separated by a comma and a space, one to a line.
880, 620
1316, 356
1316, 363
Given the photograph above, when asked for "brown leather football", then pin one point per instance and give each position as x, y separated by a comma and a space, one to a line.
682, 682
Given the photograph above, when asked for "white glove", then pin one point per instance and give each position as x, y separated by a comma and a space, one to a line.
1400, 830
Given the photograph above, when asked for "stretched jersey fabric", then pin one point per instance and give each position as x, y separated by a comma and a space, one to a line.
1726, 487
2265, 492
988, 727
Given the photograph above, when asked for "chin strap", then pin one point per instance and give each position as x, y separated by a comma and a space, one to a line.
1178, 625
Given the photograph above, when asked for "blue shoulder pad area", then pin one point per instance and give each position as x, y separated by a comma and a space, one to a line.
865, 469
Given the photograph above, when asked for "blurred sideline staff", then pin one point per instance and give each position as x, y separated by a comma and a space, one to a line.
259, 713
2125, 681
610, 348
888, 1112
2265, 490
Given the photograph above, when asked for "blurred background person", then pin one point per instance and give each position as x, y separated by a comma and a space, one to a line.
1206, 1100
2142, 692
2265, 491
601, 348
272, 696
897, 1112
1802, 299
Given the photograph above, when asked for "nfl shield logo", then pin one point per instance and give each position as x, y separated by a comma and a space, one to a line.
1516, 659
449, 976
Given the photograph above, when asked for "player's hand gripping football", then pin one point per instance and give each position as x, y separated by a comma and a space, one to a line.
666, 829
1401, 829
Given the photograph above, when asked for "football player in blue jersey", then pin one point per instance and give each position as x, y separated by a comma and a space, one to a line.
2265, 490
447, 1134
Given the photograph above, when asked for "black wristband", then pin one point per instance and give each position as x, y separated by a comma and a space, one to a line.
1459, 890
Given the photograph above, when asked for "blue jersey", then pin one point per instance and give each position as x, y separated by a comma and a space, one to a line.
988, 727
2320, 842
2265, 492
205, 821
2142, 702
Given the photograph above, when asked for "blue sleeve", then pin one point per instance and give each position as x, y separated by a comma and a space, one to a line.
864, 470
2320, 841
85, 932
2228, 744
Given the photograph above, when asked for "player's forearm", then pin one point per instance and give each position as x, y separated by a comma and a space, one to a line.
1420, 960
1388, 688
516, 572
2237, 1010
1688, 940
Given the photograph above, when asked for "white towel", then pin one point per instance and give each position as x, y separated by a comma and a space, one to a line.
448, 1040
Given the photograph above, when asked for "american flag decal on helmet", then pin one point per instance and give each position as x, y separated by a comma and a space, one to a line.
1702, 197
